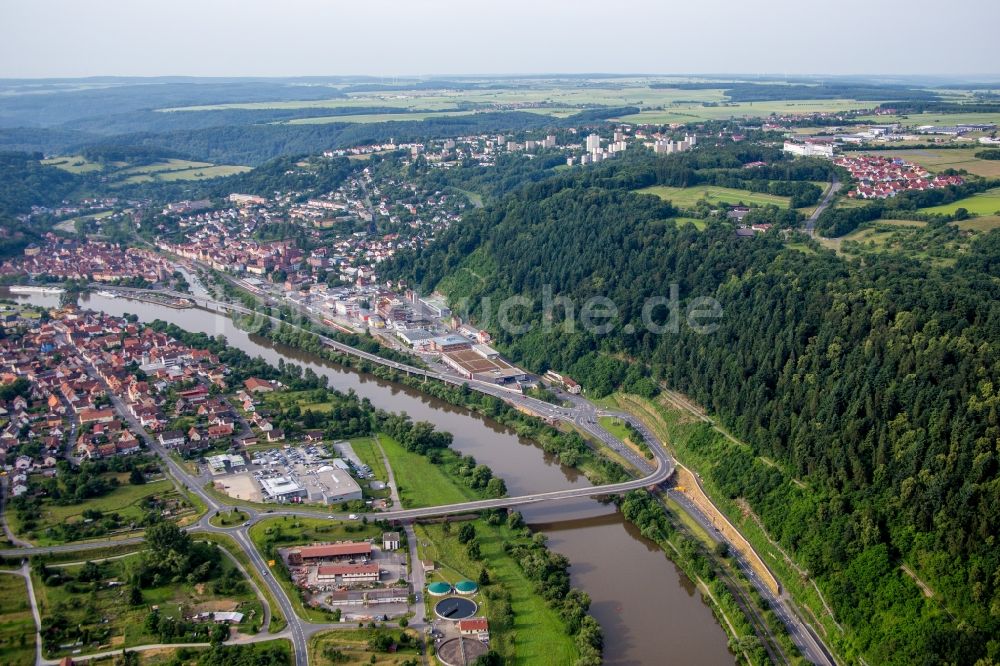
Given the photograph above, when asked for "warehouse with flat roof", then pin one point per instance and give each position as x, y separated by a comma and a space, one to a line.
482, 363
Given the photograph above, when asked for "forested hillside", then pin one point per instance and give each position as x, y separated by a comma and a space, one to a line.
878, 383
25, 182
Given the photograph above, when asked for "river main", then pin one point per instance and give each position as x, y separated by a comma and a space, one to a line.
649, 610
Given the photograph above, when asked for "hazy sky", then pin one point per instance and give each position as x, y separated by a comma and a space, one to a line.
41, 38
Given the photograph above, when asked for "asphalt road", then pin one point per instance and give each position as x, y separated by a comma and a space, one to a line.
823, 205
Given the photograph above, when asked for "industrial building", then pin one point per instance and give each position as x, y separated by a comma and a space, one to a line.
331, 485
347, 574
810, 148
330, 552
482, 363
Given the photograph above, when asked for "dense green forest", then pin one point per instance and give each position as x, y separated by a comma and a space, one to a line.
25, 182
875, 382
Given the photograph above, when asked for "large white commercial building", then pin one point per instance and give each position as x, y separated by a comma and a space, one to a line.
809, 148
281, 489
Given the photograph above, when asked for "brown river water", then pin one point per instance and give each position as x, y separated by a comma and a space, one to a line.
649, 611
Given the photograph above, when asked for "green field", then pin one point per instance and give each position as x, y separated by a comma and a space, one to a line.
17, 626
688, 197
376, 117
559, 100
420, 482
546, 641
695, 222
984, 203
686, 113
918, 119
370, 455
194, 173
947, 158
74, 164
104, 612
982, 223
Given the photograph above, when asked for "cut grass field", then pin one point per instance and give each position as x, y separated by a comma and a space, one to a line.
420, 482
369, 454
377, 117
559, 100
688, 197
77, 164
17, 626
982, 223
695, 222
984, 203
686, 113
538, 635
918, 119
195, 173
935, 160
104, 610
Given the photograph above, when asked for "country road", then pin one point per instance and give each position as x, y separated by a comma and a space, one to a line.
831, 191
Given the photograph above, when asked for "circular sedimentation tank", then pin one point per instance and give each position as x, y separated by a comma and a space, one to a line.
460, 651
439, 589
455, 608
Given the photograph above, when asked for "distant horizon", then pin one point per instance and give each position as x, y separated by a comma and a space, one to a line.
46, 39
881, 78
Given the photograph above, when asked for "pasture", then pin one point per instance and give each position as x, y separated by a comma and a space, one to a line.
984, 203
984, 223
688, 197
918, 119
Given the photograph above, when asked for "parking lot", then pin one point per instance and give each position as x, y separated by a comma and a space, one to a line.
306, 473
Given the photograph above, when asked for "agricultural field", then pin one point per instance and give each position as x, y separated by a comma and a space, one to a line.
17, 626
918, 119
186, 173
95, 598
984, 203
557, 99
686, 113
77, 164
982, 223
120, 173
948, 158
376, 117
688, 197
